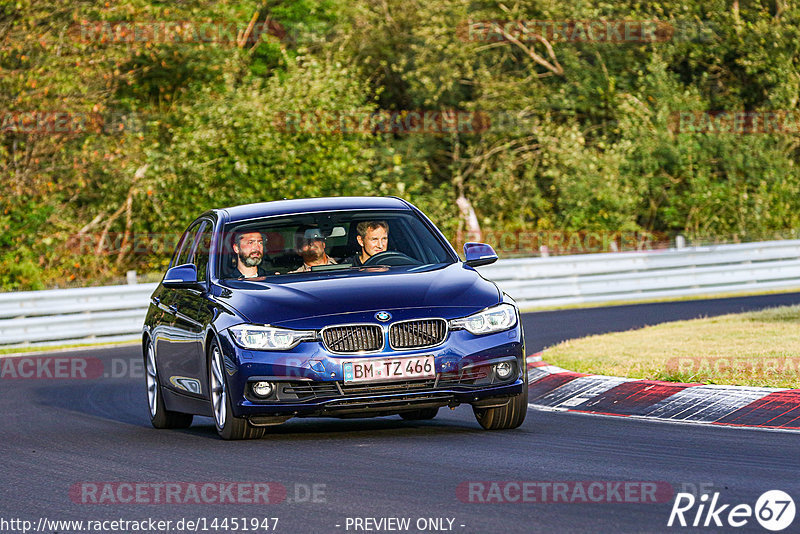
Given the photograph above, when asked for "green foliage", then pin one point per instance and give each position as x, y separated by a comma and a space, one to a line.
582, 137
234, 147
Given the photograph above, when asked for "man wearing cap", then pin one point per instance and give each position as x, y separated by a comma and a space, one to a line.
310, 245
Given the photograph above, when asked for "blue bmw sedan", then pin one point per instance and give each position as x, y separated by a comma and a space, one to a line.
328, 307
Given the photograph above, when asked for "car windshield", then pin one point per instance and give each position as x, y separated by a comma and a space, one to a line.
328, 241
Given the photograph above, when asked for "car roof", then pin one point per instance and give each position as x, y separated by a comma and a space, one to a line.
305, 205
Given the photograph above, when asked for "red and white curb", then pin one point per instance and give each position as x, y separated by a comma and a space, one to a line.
554, 388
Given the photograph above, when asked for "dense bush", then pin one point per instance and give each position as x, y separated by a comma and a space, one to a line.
582, 135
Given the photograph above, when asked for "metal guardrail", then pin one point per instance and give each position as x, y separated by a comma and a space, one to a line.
591, 278
72, 316
116, 313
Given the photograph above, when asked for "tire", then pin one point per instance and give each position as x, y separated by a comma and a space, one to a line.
160, 417
420, 415
228, 426
504, 417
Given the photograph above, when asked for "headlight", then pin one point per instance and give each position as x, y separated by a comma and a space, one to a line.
491, 320
252, 336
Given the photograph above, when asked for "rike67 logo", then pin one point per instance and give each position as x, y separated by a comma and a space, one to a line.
774, 510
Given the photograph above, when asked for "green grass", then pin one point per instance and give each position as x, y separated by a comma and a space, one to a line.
53, 348
749, 349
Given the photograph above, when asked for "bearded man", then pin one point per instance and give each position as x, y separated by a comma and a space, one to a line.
249, 249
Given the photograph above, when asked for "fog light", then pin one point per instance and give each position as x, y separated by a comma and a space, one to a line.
503, 370
263, 389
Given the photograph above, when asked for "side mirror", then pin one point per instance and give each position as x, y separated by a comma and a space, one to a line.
478, 254
181, 277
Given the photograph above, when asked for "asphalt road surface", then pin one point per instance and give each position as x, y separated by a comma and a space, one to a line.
68, 442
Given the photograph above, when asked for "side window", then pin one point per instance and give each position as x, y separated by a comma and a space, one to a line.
399, 238
184, 246
202, 250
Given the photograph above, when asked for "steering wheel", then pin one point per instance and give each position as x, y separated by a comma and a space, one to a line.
391, 258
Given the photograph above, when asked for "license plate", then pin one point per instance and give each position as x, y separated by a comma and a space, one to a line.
389, 369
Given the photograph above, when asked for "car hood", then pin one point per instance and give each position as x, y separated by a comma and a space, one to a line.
309, 301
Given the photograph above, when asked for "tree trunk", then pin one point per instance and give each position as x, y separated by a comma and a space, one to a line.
469, 218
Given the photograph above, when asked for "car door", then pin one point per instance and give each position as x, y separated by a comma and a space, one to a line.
195, 311
176, 345
164, 337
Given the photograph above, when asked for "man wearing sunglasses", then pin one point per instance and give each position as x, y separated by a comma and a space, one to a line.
310, 245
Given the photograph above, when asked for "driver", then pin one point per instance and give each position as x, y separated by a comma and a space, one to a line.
249, 249
373, 238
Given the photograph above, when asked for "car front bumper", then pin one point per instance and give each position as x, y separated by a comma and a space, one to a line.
309, 380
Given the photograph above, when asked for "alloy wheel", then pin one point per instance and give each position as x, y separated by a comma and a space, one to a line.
152, 380
219, 395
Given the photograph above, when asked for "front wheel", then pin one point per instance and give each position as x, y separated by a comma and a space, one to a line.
504, 417
228, 426
160, 417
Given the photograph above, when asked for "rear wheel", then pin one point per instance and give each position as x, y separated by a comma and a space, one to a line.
160, 417
420, 415
228, 426
504, 417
